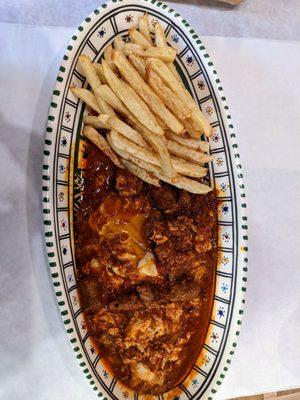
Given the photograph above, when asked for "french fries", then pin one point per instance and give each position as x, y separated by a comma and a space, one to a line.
95, 122
99, 69
139, 64
158, 144
101, 143
187, 142
151, 122
187, 168
159, 36
87, 97
105, 92
188, 154
89, 71
130, 74
121, 144
93, 79
173, 103
181, 182
108, 57
118, 125
161, 41
119, 44
134, 103
197, 116
167, 54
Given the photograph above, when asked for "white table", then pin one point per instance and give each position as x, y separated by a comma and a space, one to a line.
262, 87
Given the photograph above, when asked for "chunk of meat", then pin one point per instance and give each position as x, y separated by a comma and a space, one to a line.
127, 184
165, 198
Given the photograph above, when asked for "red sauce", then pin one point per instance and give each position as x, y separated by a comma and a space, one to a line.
149, 327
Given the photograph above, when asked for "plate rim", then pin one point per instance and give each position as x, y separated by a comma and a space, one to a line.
241, 217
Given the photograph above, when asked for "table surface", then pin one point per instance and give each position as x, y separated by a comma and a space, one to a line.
262, 88
276, 19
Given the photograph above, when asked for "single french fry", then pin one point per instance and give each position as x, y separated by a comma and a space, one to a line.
94, 122
138, 38
161, 69
187, 153
118, 125
104, 107
120, 143
187, 168
87, 97
161, 41
119, 44
105, 92
171, 101
166, 55
89, 71
188, 184
144, 27
94, 81
108, 57
188, 142
139, 64
192, 128
141, 173
101, 143
99, 69
159, 36
130, 74
132, 100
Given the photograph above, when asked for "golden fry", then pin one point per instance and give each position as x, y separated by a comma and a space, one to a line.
188, 142
119, 143
94, 122
119, 44
188, 154
187, 168
105, 92
167, 54
131, 134
99, 69
108, 57
159, 36
87, 97
144, 27
101, 143
138, 38
161, 41
89, 71
139, 64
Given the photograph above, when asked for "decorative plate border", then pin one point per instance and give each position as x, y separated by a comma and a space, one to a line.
52, 230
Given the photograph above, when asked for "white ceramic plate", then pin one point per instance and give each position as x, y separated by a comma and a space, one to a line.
63, 159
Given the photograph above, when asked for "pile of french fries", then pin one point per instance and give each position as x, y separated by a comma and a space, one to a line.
153, 125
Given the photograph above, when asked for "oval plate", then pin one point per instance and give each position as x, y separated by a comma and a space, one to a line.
64, 158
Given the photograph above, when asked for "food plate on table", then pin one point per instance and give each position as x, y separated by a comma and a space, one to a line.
144, 206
